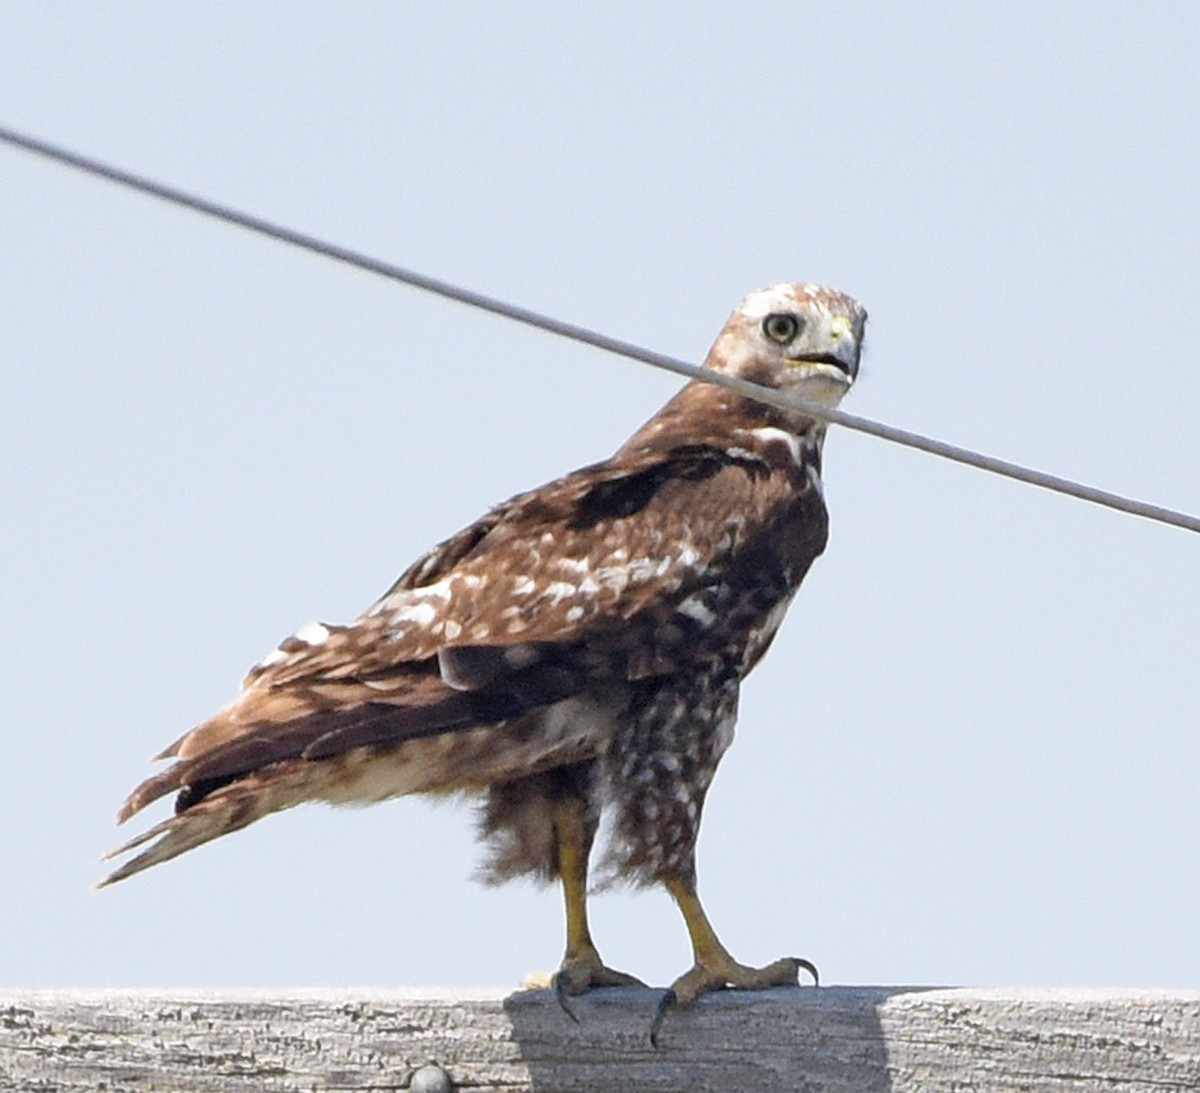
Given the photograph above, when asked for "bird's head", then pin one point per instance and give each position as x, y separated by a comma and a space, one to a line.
805, 339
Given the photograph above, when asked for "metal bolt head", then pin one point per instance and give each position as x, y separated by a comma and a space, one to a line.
431, 1079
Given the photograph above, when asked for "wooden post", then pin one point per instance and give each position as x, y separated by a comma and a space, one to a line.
834, 1040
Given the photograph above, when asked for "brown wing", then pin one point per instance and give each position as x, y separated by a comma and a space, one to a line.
578, 557
530, 605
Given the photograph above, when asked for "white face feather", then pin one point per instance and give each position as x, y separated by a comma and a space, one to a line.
795, 337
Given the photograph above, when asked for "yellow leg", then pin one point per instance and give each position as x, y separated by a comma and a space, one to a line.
581, 967
714, 968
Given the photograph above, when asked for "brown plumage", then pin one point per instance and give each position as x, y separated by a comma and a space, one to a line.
579, 648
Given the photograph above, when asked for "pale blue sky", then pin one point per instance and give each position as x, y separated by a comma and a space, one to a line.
972, 755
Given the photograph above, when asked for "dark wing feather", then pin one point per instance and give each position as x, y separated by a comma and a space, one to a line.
632, 526
517, 611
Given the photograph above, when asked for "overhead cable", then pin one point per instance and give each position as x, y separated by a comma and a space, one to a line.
591, 337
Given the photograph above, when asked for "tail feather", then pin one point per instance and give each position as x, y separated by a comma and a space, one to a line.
138, 840
149, 791
338, 740
319, 734
229, 809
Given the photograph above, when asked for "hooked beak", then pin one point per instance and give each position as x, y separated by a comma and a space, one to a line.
840, 367
837, 359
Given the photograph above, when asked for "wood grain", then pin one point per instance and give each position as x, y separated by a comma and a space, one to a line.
835, 1039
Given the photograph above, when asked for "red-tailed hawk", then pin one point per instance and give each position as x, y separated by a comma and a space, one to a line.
577, 650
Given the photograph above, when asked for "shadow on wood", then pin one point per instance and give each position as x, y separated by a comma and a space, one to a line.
785, 1039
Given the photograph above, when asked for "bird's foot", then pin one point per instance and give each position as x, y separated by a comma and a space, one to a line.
723, 973
728, 973
582, 971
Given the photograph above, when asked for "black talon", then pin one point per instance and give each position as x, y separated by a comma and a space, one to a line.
564, 999
668, 999
809, 967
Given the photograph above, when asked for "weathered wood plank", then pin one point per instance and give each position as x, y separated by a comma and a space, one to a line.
860, 1039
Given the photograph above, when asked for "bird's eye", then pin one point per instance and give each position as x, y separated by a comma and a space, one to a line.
781, 327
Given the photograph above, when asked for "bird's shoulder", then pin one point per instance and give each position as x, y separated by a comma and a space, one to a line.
586, 551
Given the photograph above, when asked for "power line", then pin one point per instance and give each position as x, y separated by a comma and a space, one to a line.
591, 337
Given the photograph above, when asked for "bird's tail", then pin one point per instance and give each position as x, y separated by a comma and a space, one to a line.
227, 809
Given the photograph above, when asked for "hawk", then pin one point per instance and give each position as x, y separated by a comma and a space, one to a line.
576, 651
